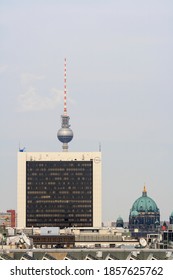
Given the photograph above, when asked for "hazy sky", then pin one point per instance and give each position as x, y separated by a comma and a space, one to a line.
120, 92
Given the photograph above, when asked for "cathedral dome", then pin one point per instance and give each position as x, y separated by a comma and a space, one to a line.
119, 222
144, 204
144, 216
119, 219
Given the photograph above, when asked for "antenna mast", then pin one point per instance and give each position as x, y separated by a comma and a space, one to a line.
65, 87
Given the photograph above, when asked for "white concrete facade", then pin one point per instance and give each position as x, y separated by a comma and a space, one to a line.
23, 157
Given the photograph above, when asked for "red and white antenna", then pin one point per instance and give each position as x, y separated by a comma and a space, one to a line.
65, 87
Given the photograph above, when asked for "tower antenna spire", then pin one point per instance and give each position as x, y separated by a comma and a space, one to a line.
65, 87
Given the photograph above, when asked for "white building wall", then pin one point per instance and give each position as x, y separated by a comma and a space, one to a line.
53, 156
21, 190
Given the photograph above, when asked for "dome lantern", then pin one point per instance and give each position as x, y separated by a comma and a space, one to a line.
144, 191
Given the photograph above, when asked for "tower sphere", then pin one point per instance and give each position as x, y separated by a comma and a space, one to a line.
65, 135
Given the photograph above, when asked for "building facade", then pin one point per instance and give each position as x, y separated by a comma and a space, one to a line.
59, 189
13, 217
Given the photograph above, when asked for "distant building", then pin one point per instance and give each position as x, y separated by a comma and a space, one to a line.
97, 237
144, 216
5, 219
8, 219
53, 241
13, 217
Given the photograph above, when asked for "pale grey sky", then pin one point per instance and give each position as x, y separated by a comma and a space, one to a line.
119, 76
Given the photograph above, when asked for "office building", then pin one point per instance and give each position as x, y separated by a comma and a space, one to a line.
59, 189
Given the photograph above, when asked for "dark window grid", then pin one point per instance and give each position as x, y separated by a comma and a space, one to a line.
73, 179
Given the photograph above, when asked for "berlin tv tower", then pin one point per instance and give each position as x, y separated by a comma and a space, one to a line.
65, 134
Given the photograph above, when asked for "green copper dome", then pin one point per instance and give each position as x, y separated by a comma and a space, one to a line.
134, 213
119, 222
171, 214
119, 219
144, 204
